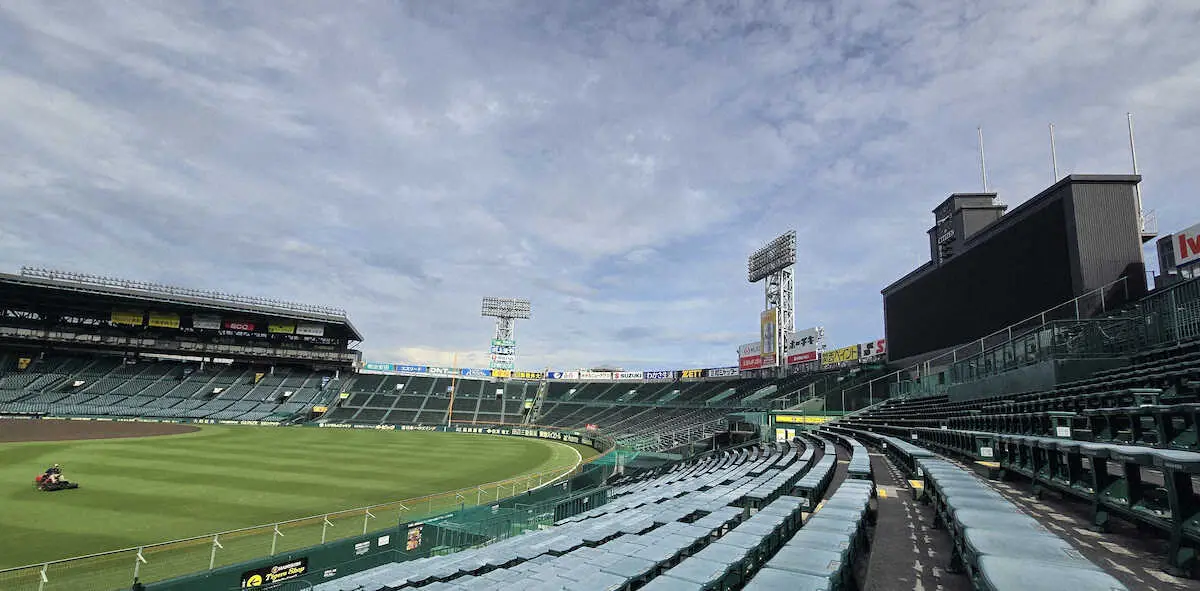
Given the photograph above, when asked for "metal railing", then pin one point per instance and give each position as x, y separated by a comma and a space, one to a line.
156, 562
923, 378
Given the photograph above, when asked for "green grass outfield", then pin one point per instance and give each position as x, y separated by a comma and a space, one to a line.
142, 491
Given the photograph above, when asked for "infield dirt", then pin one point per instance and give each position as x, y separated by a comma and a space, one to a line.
18, 430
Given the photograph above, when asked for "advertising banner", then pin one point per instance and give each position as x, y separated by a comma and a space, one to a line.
127, 317
691, 374
503, 343
276, 573
476, 373
503, 350
205, 322
802, 346
281, 328
595, 375
836, 356
374, 366
1187, 245
164, 320
441, 371
528, 375
240, 325
411, 368
768, 329
750, 356
310, 329
258, 377
554, 375
570, 375
23, 363
872, 350
629, 375
721, 372
658, 375
501, 373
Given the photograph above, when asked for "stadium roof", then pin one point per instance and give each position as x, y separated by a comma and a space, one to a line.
163, 294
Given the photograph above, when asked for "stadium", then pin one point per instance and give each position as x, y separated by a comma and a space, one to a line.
1044, 437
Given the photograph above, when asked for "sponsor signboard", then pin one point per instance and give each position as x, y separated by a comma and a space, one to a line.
374, 366
554, 375
721, 372
658, 375
276, 573
206, 322
240, 325
802, 346
501, 373
411, 368
320, 408
750, 356
836, 356
258, 377
310, 329
528, 375
629, 375
570, 375
872, 350
1187, 246
595, 375
768, 328
503, 343
164, 320
503, 350
413, 540
281, 328
691, 374
126, 317
23, 363
801, 419
477, 373
441, 371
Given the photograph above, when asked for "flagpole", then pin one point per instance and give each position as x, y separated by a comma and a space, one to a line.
453, 388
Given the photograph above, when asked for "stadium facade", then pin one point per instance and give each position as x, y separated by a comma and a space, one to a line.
988, 271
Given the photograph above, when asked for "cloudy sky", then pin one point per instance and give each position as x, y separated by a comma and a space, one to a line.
614, 162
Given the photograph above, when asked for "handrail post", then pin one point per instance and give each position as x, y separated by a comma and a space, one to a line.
275, 538
44, 578
324, 525
137, 563
212, 557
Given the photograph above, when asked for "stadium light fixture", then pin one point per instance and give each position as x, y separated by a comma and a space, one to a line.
506, 307
777, 255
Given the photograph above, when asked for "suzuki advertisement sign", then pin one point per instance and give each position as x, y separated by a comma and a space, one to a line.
1187, 246
802, 346
750, 356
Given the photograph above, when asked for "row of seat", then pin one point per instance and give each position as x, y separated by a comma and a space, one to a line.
644, 529
678, 528
994, 543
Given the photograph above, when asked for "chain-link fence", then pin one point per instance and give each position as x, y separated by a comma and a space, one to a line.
116, 570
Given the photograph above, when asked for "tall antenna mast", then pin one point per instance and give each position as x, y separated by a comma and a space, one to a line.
982, 160
1137, 189
1053, 158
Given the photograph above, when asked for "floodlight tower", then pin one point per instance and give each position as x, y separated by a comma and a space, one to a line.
506, 311
776, 264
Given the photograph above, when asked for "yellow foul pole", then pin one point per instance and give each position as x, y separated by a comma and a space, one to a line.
453, 389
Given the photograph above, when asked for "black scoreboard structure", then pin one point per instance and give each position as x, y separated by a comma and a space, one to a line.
989, 270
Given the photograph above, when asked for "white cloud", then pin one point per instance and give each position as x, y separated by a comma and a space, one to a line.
614, 164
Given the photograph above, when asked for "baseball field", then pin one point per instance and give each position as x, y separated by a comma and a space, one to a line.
146, 483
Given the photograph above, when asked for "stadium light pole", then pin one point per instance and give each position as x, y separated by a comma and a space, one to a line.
506, 311
775, 265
